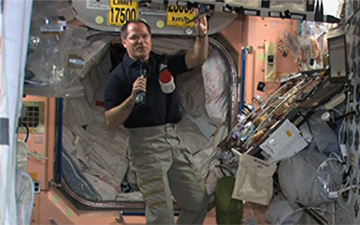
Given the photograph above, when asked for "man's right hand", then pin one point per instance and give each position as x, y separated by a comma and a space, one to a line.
138, 86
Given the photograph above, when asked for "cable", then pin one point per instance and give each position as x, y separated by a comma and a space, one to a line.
345, 208
348, 188
251, 221
252, 211
22, 124
336, 157
27, 131
339, 132
37, 156
342, 146
337, 111
324, 163
348, 201
314, 215
285, 221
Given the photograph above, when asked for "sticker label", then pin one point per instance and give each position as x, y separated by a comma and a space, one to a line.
122, 11
97, 4
180, 16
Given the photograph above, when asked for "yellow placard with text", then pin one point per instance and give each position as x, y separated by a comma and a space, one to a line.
179, 16
122, 11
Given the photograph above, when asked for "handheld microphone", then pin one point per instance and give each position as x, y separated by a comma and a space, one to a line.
140, 98
166, 81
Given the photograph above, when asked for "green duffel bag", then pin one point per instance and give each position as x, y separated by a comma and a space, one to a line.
228, 211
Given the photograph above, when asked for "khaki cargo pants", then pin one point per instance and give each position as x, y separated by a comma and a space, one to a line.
164, 169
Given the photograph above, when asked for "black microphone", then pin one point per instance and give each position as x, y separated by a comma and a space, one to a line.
140, 98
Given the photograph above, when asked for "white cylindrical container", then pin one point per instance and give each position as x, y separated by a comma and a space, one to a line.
166, 81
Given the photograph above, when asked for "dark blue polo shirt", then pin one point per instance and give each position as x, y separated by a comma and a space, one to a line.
159, 108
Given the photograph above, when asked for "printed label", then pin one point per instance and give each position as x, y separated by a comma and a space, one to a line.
122, 11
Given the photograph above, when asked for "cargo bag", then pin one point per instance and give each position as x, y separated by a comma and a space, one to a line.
228, 210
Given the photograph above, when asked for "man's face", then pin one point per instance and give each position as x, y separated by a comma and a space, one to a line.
138, 41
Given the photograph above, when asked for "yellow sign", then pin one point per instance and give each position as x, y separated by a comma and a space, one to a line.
122, 11
180, 16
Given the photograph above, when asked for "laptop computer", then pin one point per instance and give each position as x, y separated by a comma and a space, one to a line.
337, 76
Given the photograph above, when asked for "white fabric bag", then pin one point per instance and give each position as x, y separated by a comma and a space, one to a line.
254, 182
